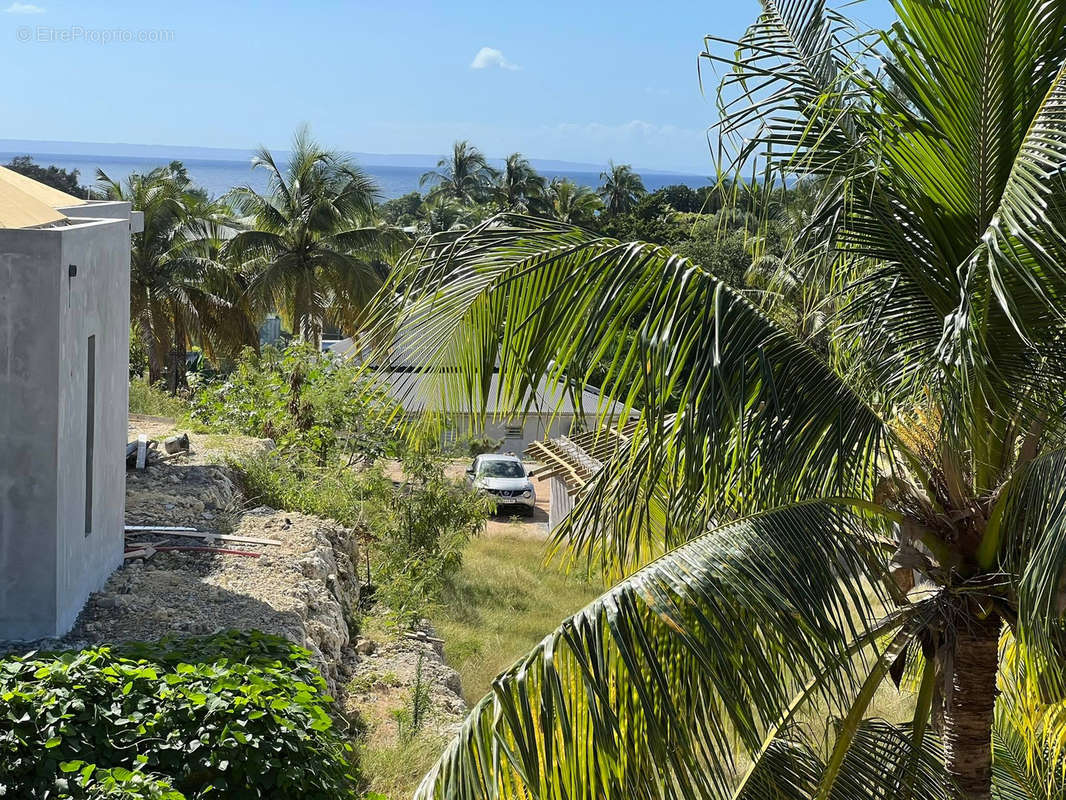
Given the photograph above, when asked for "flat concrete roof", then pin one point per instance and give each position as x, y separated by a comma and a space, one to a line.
39, 191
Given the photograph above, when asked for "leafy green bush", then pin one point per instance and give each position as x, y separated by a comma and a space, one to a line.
118, 783
426, 524
335, 493
236, 715
470, 445
312, 405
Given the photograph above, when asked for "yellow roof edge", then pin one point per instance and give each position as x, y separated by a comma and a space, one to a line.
52, 198
21, 210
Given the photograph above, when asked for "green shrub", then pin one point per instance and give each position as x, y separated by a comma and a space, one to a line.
86, 780
471, 446
155, 400
311, 404
335, 493
236, 715
427, 522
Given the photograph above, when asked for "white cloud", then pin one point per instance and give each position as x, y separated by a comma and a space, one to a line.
488, 57
23, 8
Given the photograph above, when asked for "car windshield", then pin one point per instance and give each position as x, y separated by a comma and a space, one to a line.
501, 469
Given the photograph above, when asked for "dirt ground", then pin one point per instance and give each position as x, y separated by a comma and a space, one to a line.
295, 578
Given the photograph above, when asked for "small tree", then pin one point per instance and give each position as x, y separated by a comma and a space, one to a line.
58, 178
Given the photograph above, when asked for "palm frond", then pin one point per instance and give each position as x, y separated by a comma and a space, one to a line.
647, 691
880, 765
1027, 540
730, 412
1029, 738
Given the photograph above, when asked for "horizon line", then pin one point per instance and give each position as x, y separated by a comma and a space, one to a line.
690, 171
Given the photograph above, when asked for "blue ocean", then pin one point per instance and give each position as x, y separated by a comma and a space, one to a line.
219, 176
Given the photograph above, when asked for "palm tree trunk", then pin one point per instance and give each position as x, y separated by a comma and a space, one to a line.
176, 377
970, 698
151, 346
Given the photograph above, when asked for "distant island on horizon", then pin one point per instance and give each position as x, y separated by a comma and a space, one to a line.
219, 169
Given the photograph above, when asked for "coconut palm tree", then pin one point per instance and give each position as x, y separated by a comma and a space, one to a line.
179, 288
568, 202
797, 528
620, 188
465, 176
440, 213
518, 186
314, 250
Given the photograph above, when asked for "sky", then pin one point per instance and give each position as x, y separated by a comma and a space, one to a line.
581, 80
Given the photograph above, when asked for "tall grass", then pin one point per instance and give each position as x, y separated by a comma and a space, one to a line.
504, 600
275, 481
155, 401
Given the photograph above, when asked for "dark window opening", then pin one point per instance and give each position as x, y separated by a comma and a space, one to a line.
90, 431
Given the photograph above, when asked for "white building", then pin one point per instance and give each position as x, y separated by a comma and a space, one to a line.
64, 352
549, 411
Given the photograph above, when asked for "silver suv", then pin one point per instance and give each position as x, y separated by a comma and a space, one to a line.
505, 480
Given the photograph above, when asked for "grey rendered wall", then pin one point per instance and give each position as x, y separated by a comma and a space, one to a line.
562, 502
29, 352
48, 566
94, 303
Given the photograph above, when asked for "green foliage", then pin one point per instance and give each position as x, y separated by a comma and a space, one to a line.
411, 716
428, 521
56, 177
726, 256
115, 783
276, 481
309, 403
239, 715
155, 400
470, 445
651, 220
403, 210
138, 354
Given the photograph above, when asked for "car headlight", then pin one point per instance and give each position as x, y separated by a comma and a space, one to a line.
527, 493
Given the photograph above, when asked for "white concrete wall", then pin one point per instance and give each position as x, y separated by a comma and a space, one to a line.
534, 428
562, 502
48, 565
